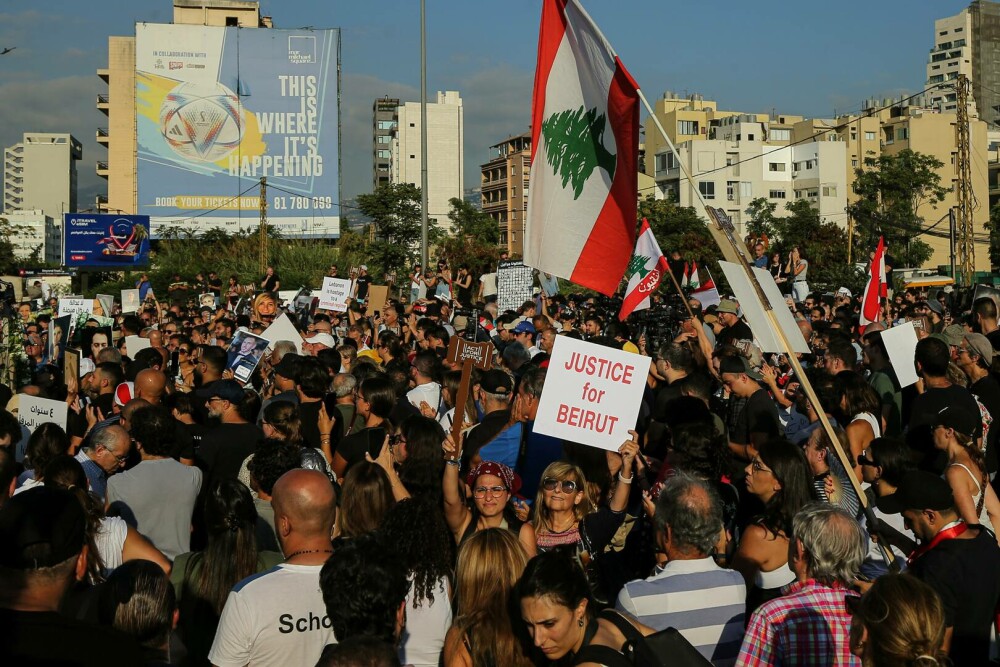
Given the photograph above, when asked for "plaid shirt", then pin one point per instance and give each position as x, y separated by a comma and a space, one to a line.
809, 625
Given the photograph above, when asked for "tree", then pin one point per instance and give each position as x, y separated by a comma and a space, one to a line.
574, 141
474, 237
679, 228
760, 217
890, 191
394, 209
9, 263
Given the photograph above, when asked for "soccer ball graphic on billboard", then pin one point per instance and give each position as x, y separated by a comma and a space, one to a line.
201, 121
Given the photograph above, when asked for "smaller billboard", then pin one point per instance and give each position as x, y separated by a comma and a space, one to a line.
105, 241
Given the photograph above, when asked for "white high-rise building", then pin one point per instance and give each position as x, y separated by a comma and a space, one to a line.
951, 56
445, 154
34, 230
39, 173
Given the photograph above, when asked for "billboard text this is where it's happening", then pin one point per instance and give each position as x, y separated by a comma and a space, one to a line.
217, 109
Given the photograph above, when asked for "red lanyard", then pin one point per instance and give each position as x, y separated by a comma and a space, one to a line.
943, 535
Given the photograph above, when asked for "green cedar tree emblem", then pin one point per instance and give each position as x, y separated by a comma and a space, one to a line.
637, 265
575, 147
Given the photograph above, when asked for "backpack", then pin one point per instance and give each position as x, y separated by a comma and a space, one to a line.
660, 649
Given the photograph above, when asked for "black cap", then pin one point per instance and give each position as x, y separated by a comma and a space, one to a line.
287, 366
41, 527
959, 419
227, 390
919, 490
497, 382
740, 366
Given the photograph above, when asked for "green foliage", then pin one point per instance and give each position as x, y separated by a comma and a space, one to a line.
890, 190
8, 262
680, 228
823, 244
993, 226
394, 209
574, 141
760, 217
473, 240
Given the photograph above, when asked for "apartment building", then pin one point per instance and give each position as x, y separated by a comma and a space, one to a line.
504, 187
40, 174
34, 230
385, 121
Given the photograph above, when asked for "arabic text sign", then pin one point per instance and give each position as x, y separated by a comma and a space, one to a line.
592, 393
106, 241
34, 411
75, 306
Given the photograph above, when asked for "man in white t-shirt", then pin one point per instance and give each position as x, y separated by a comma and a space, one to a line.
488, 287
278, 617
425, 368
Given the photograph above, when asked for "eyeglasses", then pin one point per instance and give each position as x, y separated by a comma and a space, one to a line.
181, 350
396, 439
567, 485
757, 466
121, 459
480, 491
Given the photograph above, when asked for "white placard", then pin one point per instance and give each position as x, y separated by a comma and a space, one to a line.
901, 344
130, 300
781, 312
33, 411
763, 332
591, 394
334, 294
283, 329
107, 304
75, 306
135, 344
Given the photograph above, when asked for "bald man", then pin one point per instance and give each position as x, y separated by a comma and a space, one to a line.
278, 617
150, 385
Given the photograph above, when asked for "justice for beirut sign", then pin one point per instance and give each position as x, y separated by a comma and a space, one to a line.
592, 393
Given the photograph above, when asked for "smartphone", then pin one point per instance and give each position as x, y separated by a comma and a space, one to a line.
378, 314
376, 438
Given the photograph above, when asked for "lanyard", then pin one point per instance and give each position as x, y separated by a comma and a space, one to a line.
949, 532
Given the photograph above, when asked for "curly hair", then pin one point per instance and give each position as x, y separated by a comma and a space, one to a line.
273, 459
378, 585
699, 450
422, 470
421, 542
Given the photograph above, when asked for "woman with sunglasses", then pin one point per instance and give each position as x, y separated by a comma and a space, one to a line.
779, 476
975, 499
492, 486
883, 464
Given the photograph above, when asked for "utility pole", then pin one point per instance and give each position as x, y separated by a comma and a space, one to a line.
423, 134
963, 172
262, 229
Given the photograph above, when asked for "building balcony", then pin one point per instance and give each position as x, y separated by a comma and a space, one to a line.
103, 103
495, 182
105, 74
500, 205
102, 135
102, 169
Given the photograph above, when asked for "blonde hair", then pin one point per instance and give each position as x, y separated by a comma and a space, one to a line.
489, 564
562, 470
905, 622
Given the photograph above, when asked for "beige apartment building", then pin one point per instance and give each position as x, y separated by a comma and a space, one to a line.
118, 104
504, 188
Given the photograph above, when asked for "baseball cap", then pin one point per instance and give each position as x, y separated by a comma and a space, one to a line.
41, 527
124, 393
227, 390
286, 367
322, 338
496, 382
86, 366
843, 291
980, 345
363, 267
934, 305
524, 326
919, 490
957, 418
738, 365
510, 326
728, 306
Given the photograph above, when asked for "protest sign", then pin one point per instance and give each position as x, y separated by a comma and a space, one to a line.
130, 300
480, 354
515, 283
244, 354
760, 324
377, 295
107, 304
135, 344
781, 311
71, 364
592, 393
334, 294
59, 334
34, 411
206, 300
901, 344
283, 329
75, 306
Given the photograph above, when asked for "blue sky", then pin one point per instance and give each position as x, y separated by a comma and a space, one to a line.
796, 58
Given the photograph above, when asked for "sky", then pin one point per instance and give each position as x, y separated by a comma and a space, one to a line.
795, 58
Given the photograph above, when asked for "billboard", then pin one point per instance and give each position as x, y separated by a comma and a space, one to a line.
217, 109
105, 241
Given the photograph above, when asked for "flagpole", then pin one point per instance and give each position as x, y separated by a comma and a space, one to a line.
734, 252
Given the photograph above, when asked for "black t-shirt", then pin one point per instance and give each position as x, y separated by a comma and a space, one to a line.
729, 335
966, 575
215, 286
270, 282
987, 390
994, 338
923, 414
309, 413
48, 639
223, 450
758, 415
363, 282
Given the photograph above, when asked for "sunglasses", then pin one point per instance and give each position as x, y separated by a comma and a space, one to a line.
567, 485
865, 461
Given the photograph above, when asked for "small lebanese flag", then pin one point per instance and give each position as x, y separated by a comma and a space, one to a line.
686, 279
707, 295
584, 151
694, 282
644, 273
876, 289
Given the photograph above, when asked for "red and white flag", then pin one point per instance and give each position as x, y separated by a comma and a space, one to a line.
707, 294
644, 273
876, 289
694, 282
584, 151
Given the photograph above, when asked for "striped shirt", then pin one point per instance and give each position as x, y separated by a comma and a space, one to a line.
703, 601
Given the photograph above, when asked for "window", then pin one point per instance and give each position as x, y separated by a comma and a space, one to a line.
959, 42
777, 194
412, 125
707, 189
412, 156
829, 190
385, 154
746, 189
387, 125
776, 166
731, 159
869, 136
854, 163
902, 133
749, 137
384, 139
232, 21
781, 134
661, 161
687, 127
731, 190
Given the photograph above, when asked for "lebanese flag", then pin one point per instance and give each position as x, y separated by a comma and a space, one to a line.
708, 294
876, 289
694, 282
644, 273
584, 150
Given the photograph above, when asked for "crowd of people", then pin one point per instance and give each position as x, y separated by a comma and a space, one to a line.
304, 501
